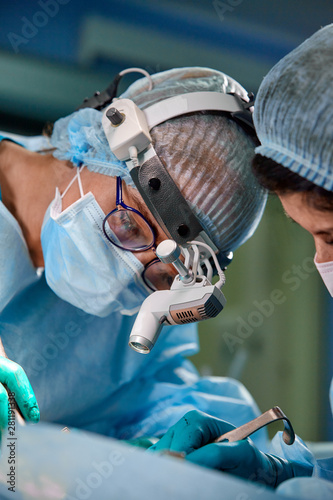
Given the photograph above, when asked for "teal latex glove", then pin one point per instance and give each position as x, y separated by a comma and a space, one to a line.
193, 435
143, 442
15, 379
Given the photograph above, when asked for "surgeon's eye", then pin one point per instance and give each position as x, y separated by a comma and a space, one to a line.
130, 229
163, 281
127, 224
159, 276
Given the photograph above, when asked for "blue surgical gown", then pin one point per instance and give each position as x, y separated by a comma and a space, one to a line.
320, 485
81, 368
85, 375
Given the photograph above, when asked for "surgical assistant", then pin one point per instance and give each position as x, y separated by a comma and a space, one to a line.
293, 117
295, 161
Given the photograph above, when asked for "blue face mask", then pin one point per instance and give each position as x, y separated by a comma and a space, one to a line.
82, 267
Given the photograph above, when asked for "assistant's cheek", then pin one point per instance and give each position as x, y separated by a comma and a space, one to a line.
324, 251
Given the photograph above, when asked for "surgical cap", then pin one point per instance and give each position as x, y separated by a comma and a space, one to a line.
207, 155
294, 110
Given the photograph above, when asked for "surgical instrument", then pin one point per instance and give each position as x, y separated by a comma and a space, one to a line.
249, 428
254, 425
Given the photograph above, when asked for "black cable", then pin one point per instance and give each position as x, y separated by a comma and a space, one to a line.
101, 99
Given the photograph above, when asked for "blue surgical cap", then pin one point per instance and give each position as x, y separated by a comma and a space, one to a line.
80, 138
293, 112
208, 155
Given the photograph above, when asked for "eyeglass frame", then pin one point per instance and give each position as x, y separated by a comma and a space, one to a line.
120, 203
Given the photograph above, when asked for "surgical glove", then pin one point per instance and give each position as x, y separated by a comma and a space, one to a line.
243, 459
14, 378
143, 442
192, 431
193, 435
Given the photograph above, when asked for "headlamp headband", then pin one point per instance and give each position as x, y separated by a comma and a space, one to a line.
127, 129
192, 102
126, 125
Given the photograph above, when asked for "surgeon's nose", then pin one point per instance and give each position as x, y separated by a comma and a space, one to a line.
148, 255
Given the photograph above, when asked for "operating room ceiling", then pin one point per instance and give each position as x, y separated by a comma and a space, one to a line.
55, 52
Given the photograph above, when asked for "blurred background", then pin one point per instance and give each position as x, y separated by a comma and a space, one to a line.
275, 334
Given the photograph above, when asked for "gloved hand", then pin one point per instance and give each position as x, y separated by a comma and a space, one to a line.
14, 377
194, 433
143, 442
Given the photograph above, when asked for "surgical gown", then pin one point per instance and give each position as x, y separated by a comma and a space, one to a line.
85, 375
320, 485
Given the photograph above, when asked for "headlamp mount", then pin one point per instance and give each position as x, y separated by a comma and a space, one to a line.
192, 296
161, 195
127, 129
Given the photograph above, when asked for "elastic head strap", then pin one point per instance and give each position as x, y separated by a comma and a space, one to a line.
231, 104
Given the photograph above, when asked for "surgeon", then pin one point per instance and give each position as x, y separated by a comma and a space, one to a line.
293, 117
70, 291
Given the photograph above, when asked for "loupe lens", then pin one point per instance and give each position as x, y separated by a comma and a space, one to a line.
129, 230
159, 276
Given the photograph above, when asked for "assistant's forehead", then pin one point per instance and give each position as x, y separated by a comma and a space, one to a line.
298, 209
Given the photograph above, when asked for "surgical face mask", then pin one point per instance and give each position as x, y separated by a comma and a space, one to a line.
325, 270
81, 266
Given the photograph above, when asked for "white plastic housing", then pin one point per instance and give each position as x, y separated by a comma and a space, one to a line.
159, 306
133, 131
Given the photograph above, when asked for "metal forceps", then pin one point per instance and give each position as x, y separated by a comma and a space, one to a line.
246, 430
254, 425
